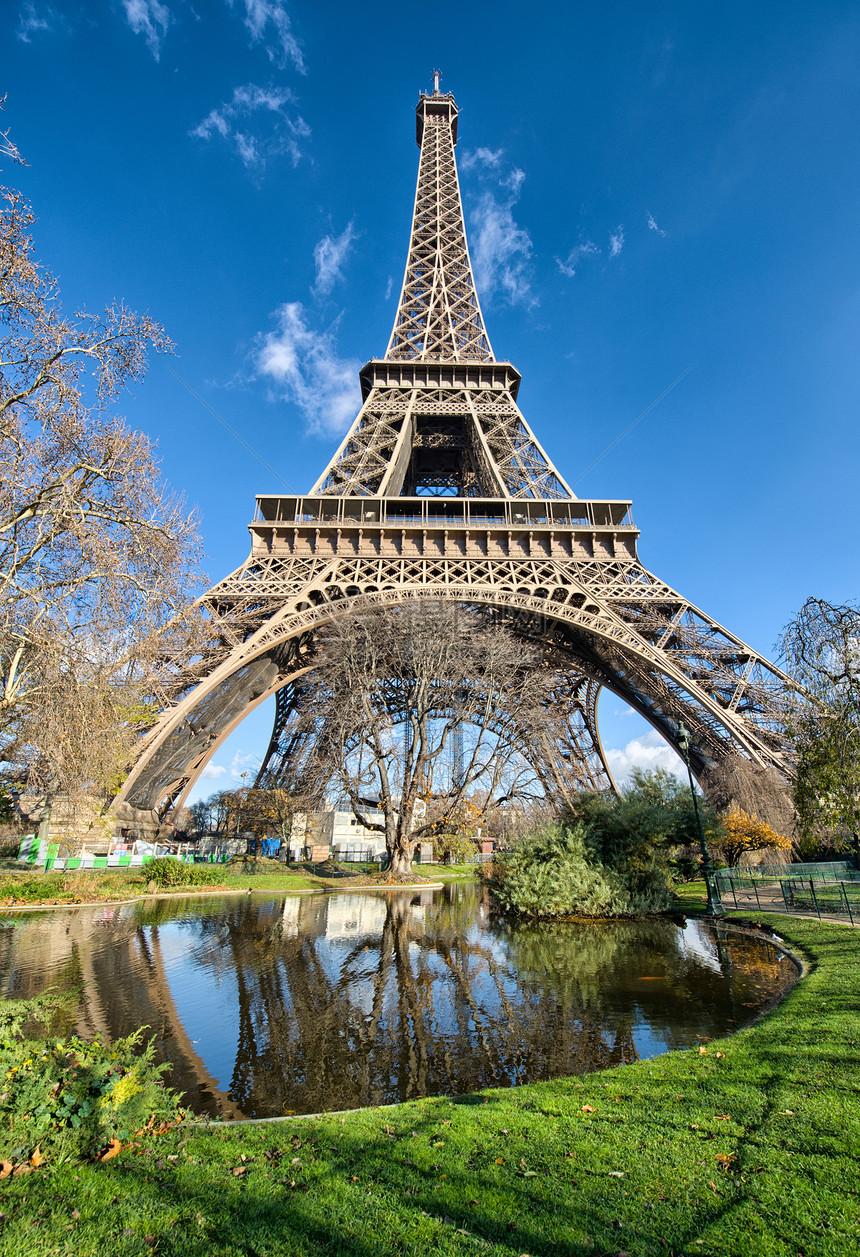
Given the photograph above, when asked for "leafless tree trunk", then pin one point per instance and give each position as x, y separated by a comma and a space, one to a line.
390, 689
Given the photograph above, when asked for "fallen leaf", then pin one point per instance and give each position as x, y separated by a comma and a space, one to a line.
616, 1174
530, 1174
586, 1108
703, 1051
5, 1169
237, 1170
712, 1185
111, 1150
720, 1055
787, 1112
500, 1160
37, 1158
725, 1160
75, 1215
724, 1117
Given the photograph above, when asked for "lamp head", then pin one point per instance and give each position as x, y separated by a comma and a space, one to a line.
683, 737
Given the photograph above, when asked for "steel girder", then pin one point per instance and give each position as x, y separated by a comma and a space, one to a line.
565, 751
440, 416
613, 619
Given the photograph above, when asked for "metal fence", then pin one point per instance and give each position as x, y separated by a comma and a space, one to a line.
804, 895
822, 871
825, 888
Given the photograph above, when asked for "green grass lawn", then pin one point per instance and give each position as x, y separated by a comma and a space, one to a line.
103, 886
750, 1149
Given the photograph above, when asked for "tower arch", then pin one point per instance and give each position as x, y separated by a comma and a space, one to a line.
441, 490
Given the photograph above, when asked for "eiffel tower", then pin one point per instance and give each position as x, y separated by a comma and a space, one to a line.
440, 490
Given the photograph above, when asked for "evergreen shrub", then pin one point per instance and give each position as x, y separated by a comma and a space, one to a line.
608, 857
167, 871
552, 873
64, 1097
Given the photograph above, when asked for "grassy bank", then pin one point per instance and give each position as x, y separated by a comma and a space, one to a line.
752, 1147
113, 885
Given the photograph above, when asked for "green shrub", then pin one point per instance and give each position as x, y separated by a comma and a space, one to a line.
686, 868
553, 874
168, 871
69, 1098
608, 857
456, 848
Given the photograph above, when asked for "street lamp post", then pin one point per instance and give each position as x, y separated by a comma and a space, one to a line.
715, 904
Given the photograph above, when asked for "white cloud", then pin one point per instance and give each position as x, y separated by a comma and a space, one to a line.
501, 248
304, 363
32, 20
269, 106
211, 771
269, 24
389, 286
501, 251
653, 226
647, 752
149, 18
329, 255
244, 765
616, 242
579, 251
514, 181
488, 158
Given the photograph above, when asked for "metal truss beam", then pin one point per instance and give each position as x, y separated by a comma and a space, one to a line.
440, 490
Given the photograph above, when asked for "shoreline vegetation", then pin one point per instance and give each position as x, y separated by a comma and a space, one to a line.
749, 1144
114, 886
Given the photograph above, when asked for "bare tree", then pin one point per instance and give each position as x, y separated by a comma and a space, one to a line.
821, 649
736, 782
96, 555
390, 689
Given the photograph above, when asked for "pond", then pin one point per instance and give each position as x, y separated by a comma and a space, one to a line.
269, 1006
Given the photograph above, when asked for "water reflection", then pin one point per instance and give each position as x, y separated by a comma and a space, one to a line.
316, 1002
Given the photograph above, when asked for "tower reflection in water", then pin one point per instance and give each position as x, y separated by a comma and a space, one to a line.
267, 1006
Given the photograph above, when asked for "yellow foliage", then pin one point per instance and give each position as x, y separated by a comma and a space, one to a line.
123, 1089
742, 833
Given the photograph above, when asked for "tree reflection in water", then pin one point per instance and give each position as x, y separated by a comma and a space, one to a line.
351, 999
386, 998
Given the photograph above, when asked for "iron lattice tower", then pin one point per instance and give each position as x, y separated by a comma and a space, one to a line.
440, 490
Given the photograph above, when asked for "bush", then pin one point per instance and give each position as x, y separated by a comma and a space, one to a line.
552, 874
608, 857
456, 848
686, 868
68, 1098
168, 871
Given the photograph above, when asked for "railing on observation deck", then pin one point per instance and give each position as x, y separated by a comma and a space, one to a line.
444, 512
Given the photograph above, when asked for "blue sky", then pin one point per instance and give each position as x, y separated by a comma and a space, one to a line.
648, 188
